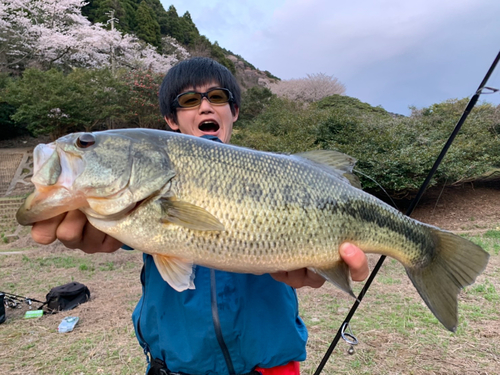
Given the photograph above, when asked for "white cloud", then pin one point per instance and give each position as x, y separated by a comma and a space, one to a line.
387, 52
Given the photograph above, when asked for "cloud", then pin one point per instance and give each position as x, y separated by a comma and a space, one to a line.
387, 52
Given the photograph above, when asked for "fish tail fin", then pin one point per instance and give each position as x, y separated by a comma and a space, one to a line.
456, 263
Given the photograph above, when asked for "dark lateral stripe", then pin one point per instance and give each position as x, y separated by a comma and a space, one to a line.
371, 213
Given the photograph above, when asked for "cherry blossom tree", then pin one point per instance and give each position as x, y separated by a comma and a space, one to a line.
310, 89
48, 33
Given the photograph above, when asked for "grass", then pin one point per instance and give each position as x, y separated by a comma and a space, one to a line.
397, 333
492, 234
103, 342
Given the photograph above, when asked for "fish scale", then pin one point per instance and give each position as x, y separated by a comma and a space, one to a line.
291, 222
189, 201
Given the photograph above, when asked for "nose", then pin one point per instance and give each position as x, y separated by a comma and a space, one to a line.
205, 106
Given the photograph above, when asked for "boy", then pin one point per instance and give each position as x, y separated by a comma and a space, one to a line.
231, 323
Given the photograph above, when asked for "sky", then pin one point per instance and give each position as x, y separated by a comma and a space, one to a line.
392, 53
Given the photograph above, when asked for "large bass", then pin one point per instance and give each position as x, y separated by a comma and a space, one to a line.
187, 201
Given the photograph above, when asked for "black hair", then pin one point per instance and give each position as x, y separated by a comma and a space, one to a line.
194, 72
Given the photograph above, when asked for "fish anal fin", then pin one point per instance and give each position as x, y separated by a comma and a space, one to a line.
338, 274
178, 273
189, 215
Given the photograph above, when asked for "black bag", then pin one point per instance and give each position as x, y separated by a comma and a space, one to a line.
67, 297
2, 308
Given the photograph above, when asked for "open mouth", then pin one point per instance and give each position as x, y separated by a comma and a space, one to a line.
209, 127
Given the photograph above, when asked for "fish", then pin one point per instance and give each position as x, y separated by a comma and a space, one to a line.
189, 201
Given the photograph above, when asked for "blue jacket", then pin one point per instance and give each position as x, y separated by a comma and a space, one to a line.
258, 318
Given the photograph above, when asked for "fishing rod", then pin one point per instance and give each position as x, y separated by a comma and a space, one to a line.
13, 300
349, 337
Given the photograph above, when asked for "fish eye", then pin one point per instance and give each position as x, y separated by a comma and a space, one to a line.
85, 140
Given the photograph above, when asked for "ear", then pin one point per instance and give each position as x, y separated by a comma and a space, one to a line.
171, 123
236, 113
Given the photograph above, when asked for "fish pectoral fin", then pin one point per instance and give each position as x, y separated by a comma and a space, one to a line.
189, 215
338, 275
178, 273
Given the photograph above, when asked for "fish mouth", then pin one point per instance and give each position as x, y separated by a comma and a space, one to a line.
43, 205
210, 127
53, 174
50, 202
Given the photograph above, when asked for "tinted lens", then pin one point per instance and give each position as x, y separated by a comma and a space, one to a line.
193, 99
218, 96
189, 99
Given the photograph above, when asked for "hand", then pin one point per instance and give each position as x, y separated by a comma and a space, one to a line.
352, 255
75, 232
299, 278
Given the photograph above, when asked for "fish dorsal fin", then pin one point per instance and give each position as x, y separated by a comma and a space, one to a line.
178, 273
333, 162
188, 215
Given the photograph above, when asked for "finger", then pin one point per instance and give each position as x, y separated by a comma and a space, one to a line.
95, 241
356, 260
313, 279
70, 230
75, 232
44, 232
299, 278
280, 276
110, 244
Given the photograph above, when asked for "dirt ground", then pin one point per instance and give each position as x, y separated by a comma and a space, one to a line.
115, 292
24, 141
465, 209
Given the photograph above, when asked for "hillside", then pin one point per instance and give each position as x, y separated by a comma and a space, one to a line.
149, 20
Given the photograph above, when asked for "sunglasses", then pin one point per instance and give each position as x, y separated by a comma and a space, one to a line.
190, 99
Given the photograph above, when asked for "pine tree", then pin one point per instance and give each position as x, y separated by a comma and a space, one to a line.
172, 24
98, 11
147, 28
189, 30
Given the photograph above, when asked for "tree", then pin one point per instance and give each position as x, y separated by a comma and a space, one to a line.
51, 102
190, 33
172, 24
52, 33
310, 89
142, 108
97, 11
8, 128
147, 28
171, 47
159, 13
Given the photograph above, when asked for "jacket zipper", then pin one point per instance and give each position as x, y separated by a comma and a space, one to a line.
147, 353
216, 321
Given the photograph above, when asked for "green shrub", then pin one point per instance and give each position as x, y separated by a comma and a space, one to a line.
253, 102
398, 152
51, 102
284, 126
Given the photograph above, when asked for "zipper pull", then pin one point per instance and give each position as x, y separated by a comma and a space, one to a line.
147, 354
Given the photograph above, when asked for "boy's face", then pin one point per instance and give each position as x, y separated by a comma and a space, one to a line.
206, 119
